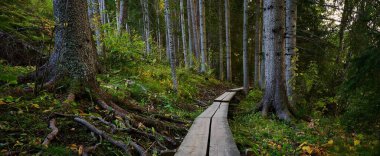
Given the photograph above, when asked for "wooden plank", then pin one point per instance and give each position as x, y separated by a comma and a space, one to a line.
221, 139
196, 140
221, 97
222, 112
229, 96
236, 89
210, 111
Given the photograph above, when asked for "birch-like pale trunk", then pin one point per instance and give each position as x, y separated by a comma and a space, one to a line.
228, 41
275, 92
202, 25
189, 27
145, 8
123, 16
245, 48
290, 43
171, 46
258, 38
97, 25
220, 33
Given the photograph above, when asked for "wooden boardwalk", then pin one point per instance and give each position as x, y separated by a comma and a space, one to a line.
210, 134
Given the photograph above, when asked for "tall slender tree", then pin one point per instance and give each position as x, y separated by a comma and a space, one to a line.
93, 5
169, 29
228, 41
220, 34
275, 92
245, 48
258, 39
123, 16
202, 25
195, 36
190, 34
183, 30
290, 43
145, 9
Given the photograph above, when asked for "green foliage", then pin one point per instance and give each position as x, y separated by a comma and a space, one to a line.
30, 20
322, 136
9, 74
362, 93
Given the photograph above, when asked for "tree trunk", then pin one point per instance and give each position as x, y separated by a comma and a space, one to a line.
158, 12
245, 48
221, 51
202, 25
258, 30
290, 43
145, 8
183, 29
170, 44
97, 27
122, 21
228, 41
117, 2
275, 92
189, 27
195, 38
74, 59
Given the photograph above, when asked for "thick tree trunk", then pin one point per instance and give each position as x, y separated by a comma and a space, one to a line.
258, 31
290, 43
189, 27
245, 48
74, 59
122, 21
202, 25
183, 30
228, 41
220, 33
145, 8
170, 45
275, 92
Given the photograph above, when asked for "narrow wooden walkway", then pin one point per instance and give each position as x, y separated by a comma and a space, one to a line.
210, 133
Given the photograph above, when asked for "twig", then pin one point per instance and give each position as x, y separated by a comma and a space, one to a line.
113, 126
52, 134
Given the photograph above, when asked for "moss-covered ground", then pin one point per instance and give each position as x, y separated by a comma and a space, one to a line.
325, 135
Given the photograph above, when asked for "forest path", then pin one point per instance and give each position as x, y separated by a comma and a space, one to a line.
210, 133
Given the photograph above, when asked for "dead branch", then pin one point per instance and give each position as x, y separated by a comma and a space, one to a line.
102, 134
113, 126
52, 134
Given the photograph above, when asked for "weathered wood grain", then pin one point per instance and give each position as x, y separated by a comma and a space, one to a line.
210, 111
221, 139
195, 142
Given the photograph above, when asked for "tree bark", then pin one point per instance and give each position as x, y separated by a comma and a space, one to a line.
228, 41
122, 21
189, 27
220, 33
202, 25
170, 44
245, 48
183, 30
290, 43
74, 59
275, 92
145, 8
194, 26
95, 22
258, 39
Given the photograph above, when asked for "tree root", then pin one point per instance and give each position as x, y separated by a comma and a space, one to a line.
90, 149
119, 144
52, 134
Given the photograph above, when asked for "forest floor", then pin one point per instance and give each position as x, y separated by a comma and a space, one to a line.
159, 117
324, 135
